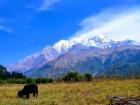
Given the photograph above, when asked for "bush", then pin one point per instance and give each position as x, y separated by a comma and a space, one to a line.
50, 80
76, 77
38, 80
88, 77
16, 81
71, 77
43, 80
2, 81
81, 77
30, 81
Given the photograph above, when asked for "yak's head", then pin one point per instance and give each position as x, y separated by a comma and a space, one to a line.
19, 94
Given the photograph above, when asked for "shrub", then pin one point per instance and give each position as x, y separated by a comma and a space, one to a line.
20, 81
43, 80
16, 81
11, 81
38, 80
71, 77
2, 81
88, 77
81, 77
76, 77
30, 81
50, 80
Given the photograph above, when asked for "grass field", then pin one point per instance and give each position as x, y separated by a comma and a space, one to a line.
92, 93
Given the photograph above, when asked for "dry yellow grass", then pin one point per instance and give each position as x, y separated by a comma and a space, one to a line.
92, 93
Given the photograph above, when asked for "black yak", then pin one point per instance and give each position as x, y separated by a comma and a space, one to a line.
27, 90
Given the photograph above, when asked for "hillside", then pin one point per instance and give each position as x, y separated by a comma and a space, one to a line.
121, 62
97, 56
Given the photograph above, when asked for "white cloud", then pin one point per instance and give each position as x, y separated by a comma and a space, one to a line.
47, 4
6, 29
115, 25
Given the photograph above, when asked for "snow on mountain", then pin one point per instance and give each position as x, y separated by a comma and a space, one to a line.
62, 46
49, 53
104, 42
65, 45
34, 61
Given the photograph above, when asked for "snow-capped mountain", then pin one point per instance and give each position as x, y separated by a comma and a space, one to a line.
50, 53
120, 62
35, 60
64, 45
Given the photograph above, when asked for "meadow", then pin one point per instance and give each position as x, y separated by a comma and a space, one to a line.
81, 93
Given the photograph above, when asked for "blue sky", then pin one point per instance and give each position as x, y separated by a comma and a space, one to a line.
27, 26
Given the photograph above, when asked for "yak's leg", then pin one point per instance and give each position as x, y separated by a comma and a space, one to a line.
34, 94
27, 96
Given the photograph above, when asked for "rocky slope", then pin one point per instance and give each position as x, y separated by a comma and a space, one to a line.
98, 62
93, 55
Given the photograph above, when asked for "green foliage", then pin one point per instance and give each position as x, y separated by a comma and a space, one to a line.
17, 75
71, 77
50, 80
43, 80
30, 81
2, 81
81, 77
3, 73
19, 78
26, 81
16, 81
38, 80
88, 77
76, 77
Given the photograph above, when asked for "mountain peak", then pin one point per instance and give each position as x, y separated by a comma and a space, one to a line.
64, 45
50, 53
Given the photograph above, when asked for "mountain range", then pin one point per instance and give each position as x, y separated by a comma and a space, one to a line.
98, 56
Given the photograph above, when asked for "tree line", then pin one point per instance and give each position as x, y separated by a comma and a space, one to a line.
19, 78
4, 74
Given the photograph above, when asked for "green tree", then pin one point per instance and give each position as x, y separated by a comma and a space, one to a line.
3, 73
17, 75
88, 77
71, 76
30, 81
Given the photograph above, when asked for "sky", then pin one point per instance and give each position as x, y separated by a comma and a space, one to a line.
27, 26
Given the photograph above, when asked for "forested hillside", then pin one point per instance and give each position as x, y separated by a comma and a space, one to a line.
4, 74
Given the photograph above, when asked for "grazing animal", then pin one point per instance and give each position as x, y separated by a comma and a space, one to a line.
27, 90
